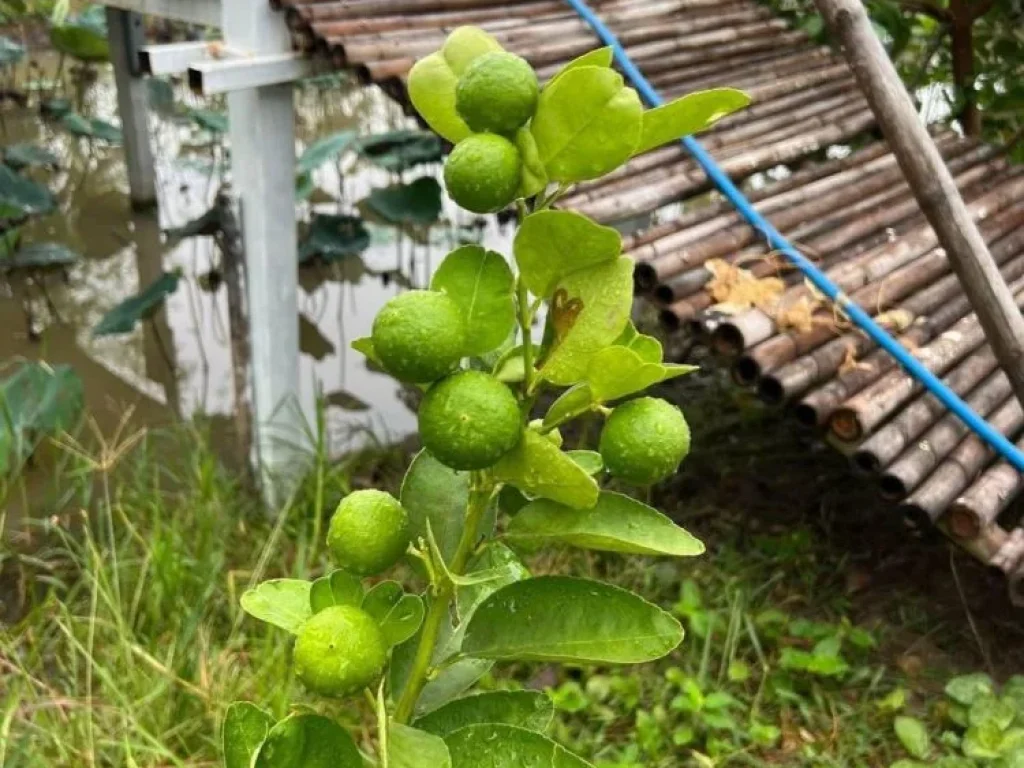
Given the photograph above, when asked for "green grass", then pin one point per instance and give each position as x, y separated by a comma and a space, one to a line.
131, 643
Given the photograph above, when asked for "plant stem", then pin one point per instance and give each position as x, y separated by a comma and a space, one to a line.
444, 591
526, 324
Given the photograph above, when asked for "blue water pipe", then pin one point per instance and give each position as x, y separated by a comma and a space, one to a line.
1010, 452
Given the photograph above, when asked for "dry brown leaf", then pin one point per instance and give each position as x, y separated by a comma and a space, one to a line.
897, 319
739, 288
798, 316
850, 362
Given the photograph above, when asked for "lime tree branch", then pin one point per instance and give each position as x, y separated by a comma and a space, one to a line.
444, 591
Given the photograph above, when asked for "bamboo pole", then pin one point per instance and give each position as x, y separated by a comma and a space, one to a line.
932, 183
987, 498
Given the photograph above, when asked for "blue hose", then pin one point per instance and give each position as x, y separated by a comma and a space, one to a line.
778, 242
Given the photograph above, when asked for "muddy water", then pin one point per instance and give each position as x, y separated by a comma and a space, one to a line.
180, 364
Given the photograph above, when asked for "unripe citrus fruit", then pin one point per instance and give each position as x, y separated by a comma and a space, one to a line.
497, 92
469, 420
419, 335
482, 172
339, 651
369, 532
644, 440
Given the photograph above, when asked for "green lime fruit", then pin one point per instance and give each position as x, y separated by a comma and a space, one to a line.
340, 651
498, 93
368, 533
644, 440
469, 420
419, 336
482, 173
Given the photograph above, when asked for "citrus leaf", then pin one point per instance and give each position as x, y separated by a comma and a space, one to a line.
337, 588
537, 467
398, 614
591, 461
245, 729
574, 402
506, 746
481, 283
365, 346
599, 57
553, 244
285, 603
688, 115
436, 495
604, 297
36, 401
616, 523
24, 195
913, 736
534, 178
527, 709
324, 150
563, 619
412, 748
308, 741
615, 372
502, 566
587, 124
125, 316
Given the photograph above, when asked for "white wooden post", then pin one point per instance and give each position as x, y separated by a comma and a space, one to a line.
126, 35
262, 129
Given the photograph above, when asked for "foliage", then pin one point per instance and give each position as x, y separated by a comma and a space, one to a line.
481, 604
36, 401
125, 316
84, 36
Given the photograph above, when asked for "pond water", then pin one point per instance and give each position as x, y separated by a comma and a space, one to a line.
180, 364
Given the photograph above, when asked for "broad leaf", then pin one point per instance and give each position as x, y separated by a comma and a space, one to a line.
500, 565
40, 256
913, 735
966, 688
495, 745
527, 709
534, 178
26, 155
587, 124
324, 150
537, 467
209, 120
687, 115
398, 614
10, 52
591, 308
400, 150
553, 244
481, 283
245, 729
285, 603
433, 79
36, 401
337, 588
333, 237
308, 741
591, 461
616, 523
574, 402
435, 494
562, 619
599, 57
125, 316
617, 371
24, 195
417, 203
91, 128
82, 37
365, 347
413, 748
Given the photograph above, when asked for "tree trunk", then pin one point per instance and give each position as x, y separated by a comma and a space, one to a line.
962, 52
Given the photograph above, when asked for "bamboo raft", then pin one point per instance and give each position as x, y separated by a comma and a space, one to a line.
808, 153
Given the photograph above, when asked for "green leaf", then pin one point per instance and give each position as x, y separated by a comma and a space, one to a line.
574, 402
533, 177
399, 615
502, 566
245, 729
414, 748
333, 237
82, 37
36, 401
40, 256
615, 372
432, 80
324, 150
687, 115
616, 524
308, 741
990, 709
10, 52
91, 128
496, 745
966, 688
550, 245
26, 155
599, 57
481, 283
527, 709
285, 603
436, 495
400, 150
417, 203
913, 735
125, 316
209, 120
23, 194
562, 619
365, 346
537, 467
587, 124
591, 461
605, 298
983, 742
337, 588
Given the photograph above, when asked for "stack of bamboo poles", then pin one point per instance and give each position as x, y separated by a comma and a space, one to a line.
712, 275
